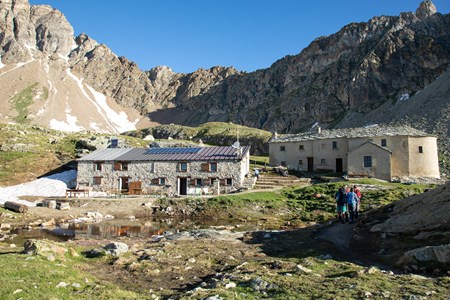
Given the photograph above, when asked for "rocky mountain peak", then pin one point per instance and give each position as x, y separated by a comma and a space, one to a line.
426, 9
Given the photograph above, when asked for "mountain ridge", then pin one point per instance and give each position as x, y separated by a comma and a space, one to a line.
358, 68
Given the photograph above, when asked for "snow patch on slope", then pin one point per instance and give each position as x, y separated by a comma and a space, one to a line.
70, 125
1, 64
117, 121
51, 186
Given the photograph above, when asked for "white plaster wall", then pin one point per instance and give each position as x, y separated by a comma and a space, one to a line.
424, 164
381, 162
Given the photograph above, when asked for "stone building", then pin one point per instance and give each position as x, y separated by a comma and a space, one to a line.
382, 152
172, 171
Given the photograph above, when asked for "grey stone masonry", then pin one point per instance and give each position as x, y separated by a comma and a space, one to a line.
171, 177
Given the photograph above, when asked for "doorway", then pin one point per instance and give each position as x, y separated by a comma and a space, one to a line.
182, 186
124, 184
310, 164
339, 165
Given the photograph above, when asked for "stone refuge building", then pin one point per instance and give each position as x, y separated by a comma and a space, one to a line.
388, 153
172, 171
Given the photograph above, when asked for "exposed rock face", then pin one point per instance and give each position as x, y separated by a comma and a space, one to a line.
356, 69
407, 225
426, 9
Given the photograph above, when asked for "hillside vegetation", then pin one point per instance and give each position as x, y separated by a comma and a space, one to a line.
214, 133
27, 152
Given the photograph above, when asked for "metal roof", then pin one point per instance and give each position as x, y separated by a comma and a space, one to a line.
108, 154
361, 132
168, 154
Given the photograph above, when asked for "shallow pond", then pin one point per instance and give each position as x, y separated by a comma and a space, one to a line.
109, 229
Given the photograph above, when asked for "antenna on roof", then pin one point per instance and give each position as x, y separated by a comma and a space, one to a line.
236, 145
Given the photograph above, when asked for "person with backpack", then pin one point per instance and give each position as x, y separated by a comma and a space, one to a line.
352, 200
358, 203
341, 204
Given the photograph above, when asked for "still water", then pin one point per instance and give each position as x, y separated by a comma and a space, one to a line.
109, 229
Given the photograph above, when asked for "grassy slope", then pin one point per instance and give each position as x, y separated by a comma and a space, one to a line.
214, 133
29, 152
295, 205
330, 278
35, 277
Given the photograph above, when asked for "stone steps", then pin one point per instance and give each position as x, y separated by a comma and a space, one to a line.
271, 182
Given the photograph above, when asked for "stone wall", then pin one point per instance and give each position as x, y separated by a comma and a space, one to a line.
146, 171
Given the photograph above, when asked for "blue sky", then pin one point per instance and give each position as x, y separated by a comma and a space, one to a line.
190, 34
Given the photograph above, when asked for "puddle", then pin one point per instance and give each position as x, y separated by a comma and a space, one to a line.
108, 229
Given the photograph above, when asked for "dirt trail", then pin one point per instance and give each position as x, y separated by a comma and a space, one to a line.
338, 234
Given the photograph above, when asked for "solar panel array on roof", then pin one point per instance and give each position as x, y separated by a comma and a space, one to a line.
173, 150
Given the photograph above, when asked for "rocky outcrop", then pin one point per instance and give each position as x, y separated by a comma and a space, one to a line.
356, 69
414, 231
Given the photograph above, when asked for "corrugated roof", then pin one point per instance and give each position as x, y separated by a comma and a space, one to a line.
108, 154
167, 154
360, 132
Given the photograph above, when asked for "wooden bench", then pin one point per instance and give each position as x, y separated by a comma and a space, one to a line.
70, 193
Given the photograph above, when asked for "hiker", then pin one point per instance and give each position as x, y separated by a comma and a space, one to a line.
352, 199
358, 203
257, 173
341, 204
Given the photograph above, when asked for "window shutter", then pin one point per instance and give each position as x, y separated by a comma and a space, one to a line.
192, 182
205, 167
206, 181
155, 181
117, 166
223, 182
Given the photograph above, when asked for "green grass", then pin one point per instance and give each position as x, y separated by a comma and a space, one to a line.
30, 151
21, 102
296, 205
37, 278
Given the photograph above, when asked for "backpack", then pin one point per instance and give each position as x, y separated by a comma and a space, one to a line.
341, 198
352, 199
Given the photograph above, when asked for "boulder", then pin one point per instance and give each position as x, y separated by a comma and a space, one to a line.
429, 257
116, 248
44, 248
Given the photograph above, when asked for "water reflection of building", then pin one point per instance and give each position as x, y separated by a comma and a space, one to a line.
109, 230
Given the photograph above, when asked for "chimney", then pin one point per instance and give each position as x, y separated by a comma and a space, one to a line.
318, 129
275, 135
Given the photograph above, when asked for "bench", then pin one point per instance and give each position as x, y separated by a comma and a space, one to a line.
70, 193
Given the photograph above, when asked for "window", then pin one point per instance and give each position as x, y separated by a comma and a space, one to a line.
282, 148
300, 162
324, 146
213, 181
209, 167
283, 163
182, 166
159, 181
97, 180
383, 143
198, 182
229, 181
334, 145
301, 147
367, 161
420, 149
121, 166
323, 161
98, 166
